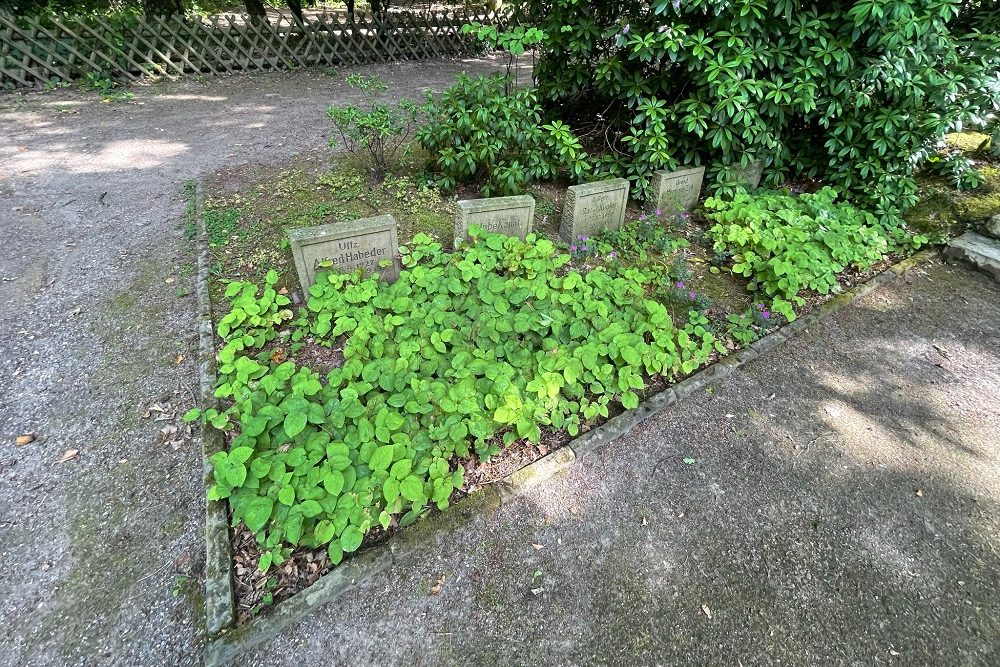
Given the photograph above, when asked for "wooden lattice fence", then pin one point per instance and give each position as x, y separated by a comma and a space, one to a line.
39, 52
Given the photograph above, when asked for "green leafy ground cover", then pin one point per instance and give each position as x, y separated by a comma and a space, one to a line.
465, 353
470, 352
786, 244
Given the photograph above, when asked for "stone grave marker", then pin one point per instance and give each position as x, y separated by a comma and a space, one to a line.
751, 175
678, 190
591, 208
348, 245
512, 216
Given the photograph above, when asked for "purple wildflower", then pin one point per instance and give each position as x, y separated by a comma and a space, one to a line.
572, 248
680, 284
612, 255
766, 315
585, 248
626, 29
677, 4
643, 216
659, 212
692, 295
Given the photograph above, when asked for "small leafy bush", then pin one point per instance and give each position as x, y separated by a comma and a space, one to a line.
465, 353
956, 168
787, 244
376, 132
481, 133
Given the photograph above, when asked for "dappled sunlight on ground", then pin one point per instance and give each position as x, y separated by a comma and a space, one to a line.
188, 97
103, 554
112, 157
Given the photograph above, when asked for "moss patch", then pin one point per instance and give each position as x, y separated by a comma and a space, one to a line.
967, 143
983, 202
247, 222
944, 212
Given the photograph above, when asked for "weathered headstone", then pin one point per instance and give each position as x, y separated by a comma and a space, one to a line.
591, 208
678, 190
361, 243
512, 216
750, 175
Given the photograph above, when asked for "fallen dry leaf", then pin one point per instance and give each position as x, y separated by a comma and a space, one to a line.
538, 547
25, 439
169, 280
67, 455
437, 587
179, 358
920, 493
708, 612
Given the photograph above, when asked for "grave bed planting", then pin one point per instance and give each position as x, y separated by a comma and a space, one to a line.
362, 406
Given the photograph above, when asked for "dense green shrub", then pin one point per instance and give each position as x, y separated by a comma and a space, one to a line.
786, 244
501, 337
852, 92
478, 132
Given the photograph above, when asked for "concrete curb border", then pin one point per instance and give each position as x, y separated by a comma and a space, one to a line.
227, 642
220, 604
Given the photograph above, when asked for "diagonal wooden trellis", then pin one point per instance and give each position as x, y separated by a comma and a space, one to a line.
39, 52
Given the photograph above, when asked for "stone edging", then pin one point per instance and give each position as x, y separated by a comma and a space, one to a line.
220, 609
226, 642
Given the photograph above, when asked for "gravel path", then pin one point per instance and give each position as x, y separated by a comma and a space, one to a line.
96, 287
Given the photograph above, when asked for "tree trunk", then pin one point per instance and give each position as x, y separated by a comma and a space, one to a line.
255, 8
296, 7
163, 7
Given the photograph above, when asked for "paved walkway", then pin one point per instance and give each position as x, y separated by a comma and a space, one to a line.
843, 507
